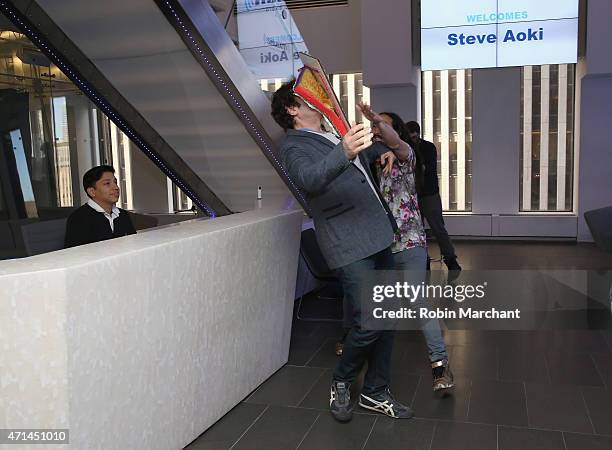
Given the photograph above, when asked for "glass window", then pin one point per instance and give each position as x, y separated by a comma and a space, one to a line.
350, 90
547, 127
447, 122
50, 135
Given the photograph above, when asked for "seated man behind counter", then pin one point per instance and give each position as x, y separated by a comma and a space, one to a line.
98, 219
354, 228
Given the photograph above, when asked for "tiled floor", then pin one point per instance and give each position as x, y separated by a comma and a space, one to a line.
543, 389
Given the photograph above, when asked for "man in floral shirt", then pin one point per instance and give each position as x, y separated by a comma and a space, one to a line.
409, 248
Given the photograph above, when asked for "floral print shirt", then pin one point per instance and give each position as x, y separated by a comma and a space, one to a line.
399, 190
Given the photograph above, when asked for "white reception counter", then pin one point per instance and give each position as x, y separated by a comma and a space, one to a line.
145, 341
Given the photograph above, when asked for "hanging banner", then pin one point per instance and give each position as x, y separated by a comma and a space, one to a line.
269, 39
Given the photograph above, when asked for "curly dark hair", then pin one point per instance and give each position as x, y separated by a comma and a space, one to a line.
398, 125
282, 99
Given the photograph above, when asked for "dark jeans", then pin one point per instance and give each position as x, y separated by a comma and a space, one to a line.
431, 209
373, 346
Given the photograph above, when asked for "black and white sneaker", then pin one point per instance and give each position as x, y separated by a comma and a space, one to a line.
340, 401
385, 404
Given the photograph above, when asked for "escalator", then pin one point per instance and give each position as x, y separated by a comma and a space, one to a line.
169, 76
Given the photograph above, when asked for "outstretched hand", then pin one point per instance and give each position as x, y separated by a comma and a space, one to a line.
369, 113
387, 134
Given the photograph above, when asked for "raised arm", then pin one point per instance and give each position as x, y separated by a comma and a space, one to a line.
388, 135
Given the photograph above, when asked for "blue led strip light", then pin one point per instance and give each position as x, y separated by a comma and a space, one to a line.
187, 36
18, 20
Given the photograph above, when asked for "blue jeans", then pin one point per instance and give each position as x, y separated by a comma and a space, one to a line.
374, 346
415, 260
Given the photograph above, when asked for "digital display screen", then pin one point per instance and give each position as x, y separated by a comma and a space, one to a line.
497, 33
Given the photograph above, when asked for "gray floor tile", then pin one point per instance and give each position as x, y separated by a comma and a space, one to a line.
603, 362
228, 429
525, 439
497, 402
576, 341
328, 434
287, 387
476, 365
464, 436
302, 349
577, 368
413, 434
607, 335
557, 407
584, 442
523, 366
415, 358
318, 396
450, 405
325, 356
474, 339
599, 406
523, 342
279, 428
404, 385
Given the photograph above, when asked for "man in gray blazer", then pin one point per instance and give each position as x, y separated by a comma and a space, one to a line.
354, 228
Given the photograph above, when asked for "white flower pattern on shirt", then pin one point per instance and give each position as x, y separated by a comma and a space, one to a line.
399, 190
